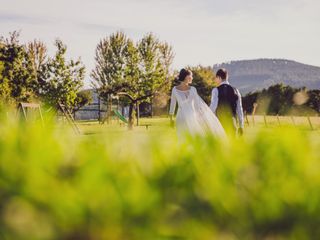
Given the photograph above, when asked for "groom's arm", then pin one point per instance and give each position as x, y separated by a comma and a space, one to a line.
240, 110
214, 100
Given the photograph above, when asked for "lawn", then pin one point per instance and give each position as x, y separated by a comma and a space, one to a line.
158, 124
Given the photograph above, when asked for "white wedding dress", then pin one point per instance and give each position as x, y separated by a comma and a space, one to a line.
194, 116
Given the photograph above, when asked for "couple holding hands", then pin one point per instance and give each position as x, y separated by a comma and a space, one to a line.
223, 117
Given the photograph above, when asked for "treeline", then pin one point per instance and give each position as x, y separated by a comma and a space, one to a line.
278, 99
281, 99
138, 71
29, 74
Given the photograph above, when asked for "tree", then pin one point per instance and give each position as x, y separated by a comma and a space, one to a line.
111, 59
115, 59
314, 100
136, 71
26, 73
83, 98
63, 79
37, 56
281, 99
156, 59
4, 85
248, 101
203, 80
16, 78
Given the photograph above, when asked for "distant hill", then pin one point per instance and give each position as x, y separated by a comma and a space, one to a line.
252, 75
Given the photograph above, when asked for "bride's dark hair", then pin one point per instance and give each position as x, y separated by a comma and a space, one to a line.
183, 74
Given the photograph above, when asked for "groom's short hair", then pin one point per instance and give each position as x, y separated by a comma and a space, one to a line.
222, 73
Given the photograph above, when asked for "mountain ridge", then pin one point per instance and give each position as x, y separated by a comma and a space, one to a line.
255, 74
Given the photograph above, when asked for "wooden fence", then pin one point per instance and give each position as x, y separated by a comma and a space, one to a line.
311, 122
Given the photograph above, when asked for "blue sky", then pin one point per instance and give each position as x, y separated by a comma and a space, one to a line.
201, 31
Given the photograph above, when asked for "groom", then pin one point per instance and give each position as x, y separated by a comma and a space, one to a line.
226, 104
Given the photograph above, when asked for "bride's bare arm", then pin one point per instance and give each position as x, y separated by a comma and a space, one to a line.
173, 103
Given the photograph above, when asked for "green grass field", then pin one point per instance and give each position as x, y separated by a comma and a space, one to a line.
111, 183
162, 124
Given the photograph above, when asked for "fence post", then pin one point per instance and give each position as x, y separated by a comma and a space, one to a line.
265, 120
99, 111
246, 117
310, 123
278, 119
292, 119
255, 105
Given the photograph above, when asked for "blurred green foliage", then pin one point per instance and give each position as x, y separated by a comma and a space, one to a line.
57, 185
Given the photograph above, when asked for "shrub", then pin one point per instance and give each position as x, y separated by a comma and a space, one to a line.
55, 185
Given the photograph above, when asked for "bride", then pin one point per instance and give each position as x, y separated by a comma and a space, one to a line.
194, 116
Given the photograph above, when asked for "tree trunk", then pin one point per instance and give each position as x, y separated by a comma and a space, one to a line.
130, 124
99, 106
151, 107
109, 109
138, 112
